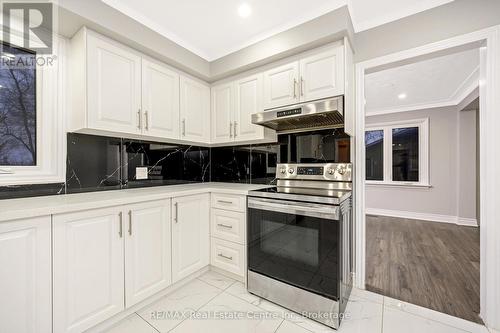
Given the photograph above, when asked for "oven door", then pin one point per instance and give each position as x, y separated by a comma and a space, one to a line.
296, 243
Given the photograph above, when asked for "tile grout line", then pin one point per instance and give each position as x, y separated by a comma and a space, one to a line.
201, 306
147, 322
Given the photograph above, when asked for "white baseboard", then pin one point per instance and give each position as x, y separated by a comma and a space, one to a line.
422, 216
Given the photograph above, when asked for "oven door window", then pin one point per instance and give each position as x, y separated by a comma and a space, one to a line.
299, 250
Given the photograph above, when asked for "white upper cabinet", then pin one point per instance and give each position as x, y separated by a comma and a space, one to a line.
248, 101
25, 275
88, 268
281, 85
113, 86
160, 100
147, 250
222, 115
195, 110
318, 74
322, 75
190, 234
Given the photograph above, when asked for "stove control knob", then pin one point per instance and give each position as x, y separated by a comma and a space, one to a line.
283, 170
341, 170
291, 170
331, 171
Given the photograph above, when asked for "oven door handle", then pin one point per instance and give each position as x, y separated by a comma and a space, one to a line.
295, 207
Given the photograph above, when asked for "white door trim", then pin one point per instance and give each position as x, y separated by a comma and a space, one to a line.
489, 40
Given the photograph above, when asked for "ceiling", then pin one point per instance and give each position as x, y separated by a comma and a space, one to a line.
440, 81
213, 29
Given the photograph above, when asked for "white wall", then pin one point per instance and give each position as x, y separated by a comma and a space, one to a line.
440, 202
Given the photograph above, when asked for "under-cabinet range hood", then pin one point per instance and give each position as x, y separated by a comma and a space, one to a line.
325, 113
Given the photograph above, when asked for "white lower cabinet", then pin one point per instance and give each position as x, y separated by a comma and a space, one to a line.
88, 268
108, 259
147, 250
228, 256
25, 276
190, 234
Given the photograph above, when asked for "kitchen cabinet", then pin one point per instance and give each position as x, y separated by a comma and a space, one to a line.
248, 97
281, 85
160, 100
25, 274
194, 110
147, 250
88, 268
315, 75
322, 75
222, 115
228, 256
113, 86
233, 104
190, 234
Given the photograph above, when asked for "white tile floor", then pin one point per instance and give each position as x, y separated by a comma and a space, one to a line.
211, 302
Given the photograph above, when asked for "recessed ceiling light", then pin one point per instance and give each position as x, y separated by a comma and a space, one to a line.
402, 96
244, 10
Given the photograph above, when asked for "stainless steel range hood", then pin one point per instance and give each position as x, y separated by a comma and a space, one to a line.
325, 113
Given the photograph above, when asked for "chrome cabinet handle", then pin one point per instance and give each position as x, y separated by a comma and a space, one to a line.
130, 223
176, 212
139, 123
230, 129
225, 226
225, 202
184, 127
120, 231
294, 88
147, 119
225, 257
235, 124
301, 86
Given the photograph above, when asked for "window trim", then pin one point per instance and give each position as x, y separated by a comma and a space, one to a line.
50, 128
423, 147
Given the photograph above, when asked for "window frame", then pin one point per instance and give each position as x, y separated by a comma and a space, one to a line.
50, 124
423, 151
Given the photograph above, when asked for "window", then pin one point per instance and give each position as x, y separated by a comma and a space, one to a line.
32, 99
17, 110
397, 153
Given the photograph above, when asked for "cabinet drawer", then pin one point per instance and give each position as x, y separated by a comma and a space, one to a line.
228, 225
228, 256
235, 203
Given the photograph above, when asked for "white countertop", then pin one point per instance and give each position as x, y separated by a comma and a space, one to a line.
12, 209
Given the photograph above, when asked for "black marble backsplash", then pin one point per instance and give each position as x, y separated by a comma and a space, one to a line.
96, 163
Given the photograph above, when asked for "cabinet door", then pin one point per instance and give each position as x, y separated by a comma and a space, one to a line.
195, 110
147, 250
160, 100
322, 75
113, 86
248, 101
222, 113
88, 268
190, 235
25, 275
281, 85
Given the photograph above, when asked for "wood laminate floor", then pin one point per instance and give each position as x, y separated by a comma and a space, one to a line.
434, 265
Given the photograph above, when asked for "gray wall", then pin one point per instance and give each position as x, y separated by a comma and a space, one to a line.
447, 127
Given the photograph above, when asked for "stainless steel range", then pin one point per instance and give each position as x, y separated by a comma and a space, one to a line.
300, 240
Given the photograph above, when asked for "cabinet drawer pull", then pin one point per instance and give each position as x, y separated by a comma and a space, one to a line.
230, 129
225, 257
176, 212
235, 131
225, 226
146, 117
183, 127
294, 88
120, 231
130, 223
301, 86
225, 202
139, 124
